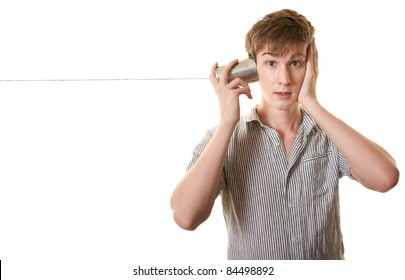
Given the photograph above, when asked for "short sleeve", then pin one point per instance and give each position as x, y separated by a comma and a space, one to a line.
344, 167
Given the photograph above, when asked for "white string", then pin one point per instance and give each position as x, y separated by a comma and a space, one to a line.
99, 80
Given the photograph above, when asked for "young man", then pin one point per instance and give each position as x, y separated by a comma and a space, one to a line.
277, 168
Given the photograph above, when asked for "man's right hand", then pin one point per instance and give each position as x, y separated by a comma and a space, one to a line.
228, 93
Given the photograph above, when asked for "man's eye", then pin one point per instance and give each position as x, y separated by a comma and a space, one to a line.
296, 63
271, 63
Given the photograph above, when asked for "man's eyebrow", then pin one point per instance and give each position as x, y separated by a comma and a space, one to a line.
297, 55
294, 56
268, 53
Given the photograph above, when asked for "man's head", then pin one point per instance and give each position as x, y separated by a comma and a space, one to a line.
279, 31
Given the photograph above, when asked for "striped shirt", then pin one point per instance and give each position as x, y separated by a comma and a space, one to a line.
278, 208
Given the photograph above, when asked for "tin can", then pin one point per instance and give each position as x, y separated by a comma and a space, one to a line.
245, 69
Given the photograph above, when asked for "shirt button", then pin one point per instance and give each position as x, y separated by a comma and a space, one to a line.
290, 205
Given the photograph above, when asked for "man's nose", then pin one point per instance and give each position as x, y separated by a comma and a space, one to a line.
284, 77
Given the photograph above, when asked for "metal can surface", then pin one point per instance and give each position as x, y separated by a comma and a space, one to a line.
245, 69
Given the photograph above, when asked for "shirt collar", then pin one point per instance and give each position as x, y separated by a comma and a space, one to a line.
307, 122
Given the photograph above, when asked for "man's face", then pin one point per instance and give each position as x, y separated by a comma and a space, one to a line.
281, 76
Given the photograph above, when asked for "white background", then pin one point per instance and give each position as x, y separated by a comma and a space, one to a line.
89, 155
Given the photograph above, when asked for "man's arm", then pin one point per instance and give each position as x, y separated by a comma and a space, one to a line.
370, 164
194, 196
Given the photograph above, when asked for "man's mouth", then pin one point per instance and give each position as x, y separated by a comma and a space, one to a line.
283, 93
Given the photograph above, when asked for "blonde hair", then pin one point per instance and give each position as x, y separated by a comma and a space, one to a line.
279, 31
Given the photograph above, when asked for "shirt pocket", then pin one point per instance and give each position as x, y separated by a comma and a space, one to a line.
317, 173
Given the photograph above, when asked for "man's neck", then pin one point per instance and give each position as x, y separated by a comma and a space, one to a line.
283, 121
